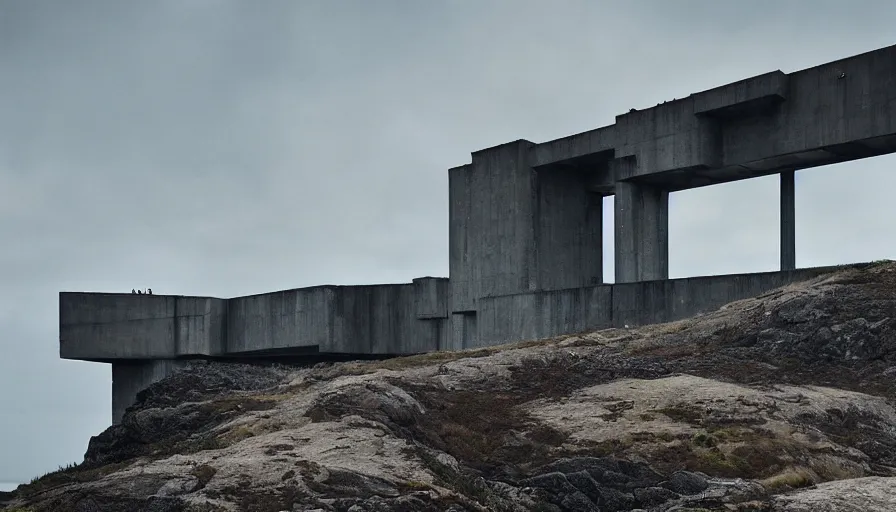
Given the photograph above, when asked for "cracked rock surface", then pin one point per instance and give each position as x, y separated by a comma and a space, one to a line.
783, 402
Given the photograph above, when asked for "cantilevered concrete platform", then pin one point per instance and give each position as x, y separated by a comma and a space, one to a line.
525, 235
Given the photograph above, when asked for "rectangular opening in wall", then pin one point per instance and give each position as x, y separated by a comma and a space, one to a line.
609, 241
730, 228
845, 212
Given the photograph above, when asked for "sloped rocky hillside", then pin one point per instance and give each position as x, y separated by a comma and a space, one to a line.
784, 402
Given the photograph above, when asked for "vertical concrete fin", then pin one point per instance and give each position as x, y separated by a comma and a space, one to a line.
491, 237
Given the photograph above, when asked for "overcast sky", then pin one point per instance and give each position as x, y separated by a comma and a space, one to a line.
224, 148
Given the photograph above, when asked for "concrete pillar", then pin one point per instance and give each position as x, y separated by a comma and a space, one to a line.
788, 221
464, 333
133, 376
642, 232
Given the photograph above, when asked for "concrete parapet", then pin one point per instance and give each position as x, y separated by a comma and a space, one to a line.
544, 314
375, 319
107, 326
382, 319
538, 315
743, 96
432, 297
299, 318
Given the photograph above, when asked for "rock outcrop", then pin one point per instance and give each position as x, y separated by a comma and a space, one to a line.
783, 402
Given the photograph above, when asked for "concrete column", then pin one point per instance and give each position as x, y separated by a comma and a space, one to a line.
642, 232
788, 221
131, 377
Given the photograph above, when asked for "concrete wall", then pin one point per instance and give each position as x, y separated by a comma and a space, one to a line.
537, 315
199, 326
375, 319
568, 234
545, 314
382, 320
514, 228
285, 319
674, 299
378, 319
105, 326
491, 231
131, 377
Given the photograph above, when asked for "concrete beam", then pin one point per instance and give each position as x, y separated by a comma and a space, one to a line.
743, 96
107, 326
575, 147
788, 221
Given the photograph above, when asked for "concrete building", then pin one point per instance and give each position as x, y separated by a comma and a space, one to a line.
525, 236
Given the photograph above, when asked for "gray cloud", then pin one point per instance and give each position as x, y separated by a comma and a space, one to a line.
225, 148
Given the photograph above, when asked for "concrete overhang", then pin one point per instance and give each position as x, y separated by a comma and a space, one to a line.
585, 148
742, 97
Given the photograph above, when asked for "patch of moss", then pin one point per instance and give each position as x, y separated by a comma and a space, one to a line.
704, 440
239, 404
204, 473
683, 413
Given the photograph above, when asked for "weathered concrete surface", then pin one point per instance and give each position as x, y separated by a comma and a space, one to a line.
515, 229
299, 318
376, 319
105, 326
642, 232
544, 314
379, 319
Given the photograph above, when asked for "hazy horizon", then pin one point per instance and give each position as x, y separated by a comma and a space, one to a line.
213, 148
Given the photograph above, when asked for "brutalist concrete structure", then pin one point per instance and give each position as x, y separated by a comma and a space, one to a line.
525, 236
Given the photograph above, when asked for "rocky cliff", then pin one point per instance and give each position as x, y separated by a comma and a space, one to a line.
783, 402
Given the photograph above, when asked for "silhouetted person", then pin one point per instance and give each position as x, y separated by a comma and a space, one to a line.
149, 291
133, 290
139, 292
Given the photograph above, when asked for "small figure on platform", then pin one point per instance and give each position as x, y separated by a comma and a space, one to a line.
139, 292
133, 291
149, 291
